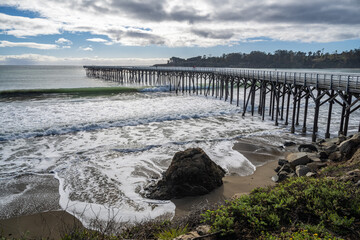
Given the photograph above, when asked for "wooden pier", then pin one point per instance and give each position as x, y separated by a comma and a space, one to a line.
273, 92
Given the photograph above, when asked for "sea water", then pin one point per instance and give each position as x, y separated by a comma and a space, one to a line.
93, 155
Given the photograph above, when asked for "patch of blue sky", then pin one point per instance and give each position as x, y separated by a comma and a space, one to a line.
13, 11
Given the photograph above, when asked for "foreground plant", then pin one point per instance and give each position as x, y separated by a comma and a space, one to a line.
325, 204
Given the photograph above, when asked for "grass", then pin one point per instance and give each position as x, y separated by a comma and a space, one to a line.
171, 233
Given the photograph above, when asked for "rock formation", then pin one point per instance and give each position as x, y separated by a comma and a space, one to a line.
190, 173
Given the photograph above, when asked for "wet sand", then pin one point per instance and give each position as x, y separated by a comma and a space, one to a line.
54, 224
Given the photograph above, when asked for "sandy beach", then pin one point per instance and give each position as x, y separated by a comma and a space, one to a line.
53, 224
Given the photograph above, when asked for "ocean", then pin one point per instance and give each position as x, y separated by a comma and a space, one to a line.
92, 154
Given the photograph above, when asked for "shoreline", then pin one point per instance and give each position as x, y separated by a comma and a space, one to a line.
52, 224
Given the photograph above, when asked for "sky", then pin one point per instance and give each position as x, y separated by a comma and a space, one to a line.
145, 32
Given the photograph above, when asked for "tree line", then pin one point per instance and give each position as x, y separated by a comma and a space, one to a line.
278, 59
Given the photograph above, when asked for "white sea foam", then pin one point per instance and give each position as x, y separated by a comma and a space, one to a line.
104, 150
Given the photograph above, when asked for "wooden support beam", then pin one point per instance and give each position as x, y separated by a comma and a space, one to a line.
305, 112
294, 111
347, 116
316, 115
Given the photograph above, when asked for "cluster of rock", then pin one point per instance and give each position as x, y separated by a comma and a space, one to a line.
190, 173
312, 157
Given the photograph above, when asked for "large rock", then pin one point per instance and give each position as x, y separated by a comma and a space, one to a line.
307, 148
190, 173
302, 170
299, 158
348, 148
314, 166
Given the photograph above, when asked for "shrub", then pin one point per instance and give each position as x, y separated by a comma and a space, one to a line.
316, 202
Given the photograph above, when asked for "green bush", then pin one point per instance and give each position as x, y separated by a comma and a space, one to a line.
319, 202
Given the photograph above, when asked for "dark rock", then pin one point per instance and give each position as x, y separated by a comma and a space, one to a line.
289, 143
307, 148
302, 170
286, 168
281, 176
277, 169
335, 156
348, 148
323, 155
330, 148
282, 162
190, 173
314, 166
299, 158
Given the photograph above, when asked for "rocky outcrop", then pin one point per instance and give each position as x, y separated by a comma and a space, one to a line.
190, 173
311, 158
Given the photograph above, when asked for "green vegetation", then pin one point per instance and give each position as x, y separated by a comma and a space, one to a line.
279, 59
171, 233
323, 207
71, 91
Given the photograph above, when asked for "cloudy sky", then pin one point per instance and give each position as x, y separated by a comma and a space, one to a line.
143, 32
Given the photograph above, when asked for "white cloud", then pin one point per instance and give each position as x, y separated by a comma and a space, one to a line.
100, 40
28, 45
64, 41
86, 48
178, 23
24, 27
38, 59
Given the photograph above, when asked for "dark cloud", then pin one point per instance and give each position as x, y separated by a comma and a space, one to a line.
213, 34
319, 12
151, 10
151, 38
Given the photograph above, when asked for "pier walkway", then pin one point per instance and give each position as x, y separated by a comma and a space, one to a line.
280, 94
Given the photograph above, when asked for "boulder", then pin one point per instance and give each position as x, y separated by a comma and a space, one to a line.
314, 157
286, 168
299, 158
307, 148
190, 173
302, 170
323, 155
348, 147
281, 162
314, 166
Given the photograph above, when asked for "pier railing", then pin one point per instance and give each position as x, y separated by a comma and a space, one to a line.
285, 88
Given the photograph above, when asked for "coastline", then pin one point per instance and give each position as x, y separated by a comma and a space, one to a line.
53, 224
